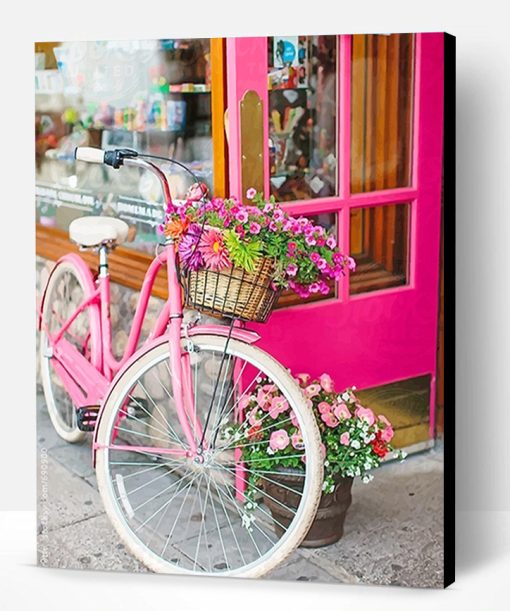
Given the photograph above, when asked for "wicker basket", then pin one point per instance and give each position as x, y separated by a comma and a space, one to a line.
234, 292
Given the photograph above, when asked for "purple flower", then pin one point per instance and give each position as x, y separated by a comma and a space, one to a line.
242, 216
323, 288
314, 287
331, 242
291, 269
190, 255
254, 228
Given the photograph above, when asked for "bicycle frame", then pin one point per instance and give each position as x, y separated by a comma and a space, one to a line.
88, 382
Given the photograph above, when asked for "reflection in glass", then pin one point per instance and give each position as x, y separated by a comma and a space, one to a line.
150, 95
382, 109
302, 116
288, 298
379, 242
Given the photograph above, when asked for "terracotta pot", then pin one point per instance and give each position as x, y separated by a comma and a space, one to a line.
328, 525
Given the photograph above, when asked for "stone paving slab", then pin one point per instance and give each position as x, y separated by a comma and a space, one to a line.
393, 531
89, 544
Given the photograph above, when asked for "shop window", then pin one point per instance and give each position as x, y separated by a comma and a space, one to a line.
303, 104
153, 96
379, 242
382, 109
288, 298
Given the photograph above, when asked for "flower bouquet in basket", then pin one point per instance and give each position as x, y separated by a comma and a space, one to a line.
235, 258
354, 442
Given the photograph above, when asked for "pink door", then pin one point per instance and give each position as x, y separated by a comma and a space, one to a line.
354, 132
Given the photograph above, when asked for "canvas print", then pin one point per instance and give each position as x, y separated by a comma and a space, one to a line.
240, 366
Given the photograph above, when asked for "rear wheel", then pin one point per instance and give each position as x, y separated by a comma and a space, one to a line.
207, 514
65, 291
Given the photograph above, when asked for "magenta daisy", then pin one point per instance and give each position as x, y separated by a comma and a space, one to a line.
213, 250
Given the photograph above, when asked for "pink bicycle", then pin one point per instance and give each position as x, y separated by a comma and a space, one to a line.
172, 483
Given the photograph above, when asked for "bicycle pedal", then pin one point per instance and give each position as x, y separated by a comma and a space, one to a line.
86, 418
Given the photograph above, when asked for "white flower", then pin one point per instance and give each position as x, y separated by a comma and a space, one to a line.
355, 444
345, 396
270, 450
247, 520
368, 477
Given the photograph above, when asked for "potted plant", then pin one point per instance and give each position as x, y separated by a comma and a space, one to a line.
235, 258
354, 442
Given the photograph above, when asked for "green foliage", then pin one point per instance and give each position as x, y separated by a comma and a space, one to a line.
243, 254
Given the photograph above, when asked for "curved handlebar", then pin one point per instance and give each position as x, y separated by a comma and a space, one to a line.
89, 154
118, 157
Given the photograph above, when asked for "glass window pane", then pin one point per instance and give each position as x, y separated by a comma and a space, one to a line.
150, 95
382, 109
379, 242
288, 298
302, 116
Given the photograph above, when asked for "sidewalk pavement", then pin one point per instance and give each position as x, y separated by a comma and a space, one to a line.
393, 530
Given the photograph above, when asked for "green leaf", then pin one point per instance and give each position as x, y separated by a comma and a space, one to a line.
243, 254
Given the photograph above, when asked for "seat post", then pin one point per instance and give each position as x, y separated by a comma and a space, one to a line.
103, 260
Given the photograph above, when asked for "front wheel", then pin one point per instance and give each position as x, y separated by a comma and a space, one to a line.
211, 513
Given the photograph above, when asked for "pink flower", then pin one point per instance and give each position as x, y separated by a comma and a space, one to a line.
331, 242
384, 420
268, 207
213, 250
387, 434
278, 215
351, 263
279, 440
273, 226
330, 419
314, 287
327, 383
253, 417
312, 390
322, 264
323, 287
314, 257
345, 438
278, 406
254, 228
303, 378
291, 269
365, 413
297, 441
342, 411
324, 407
310, 240
197, 191
250, 194
244, 401
264, 398
242, 216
